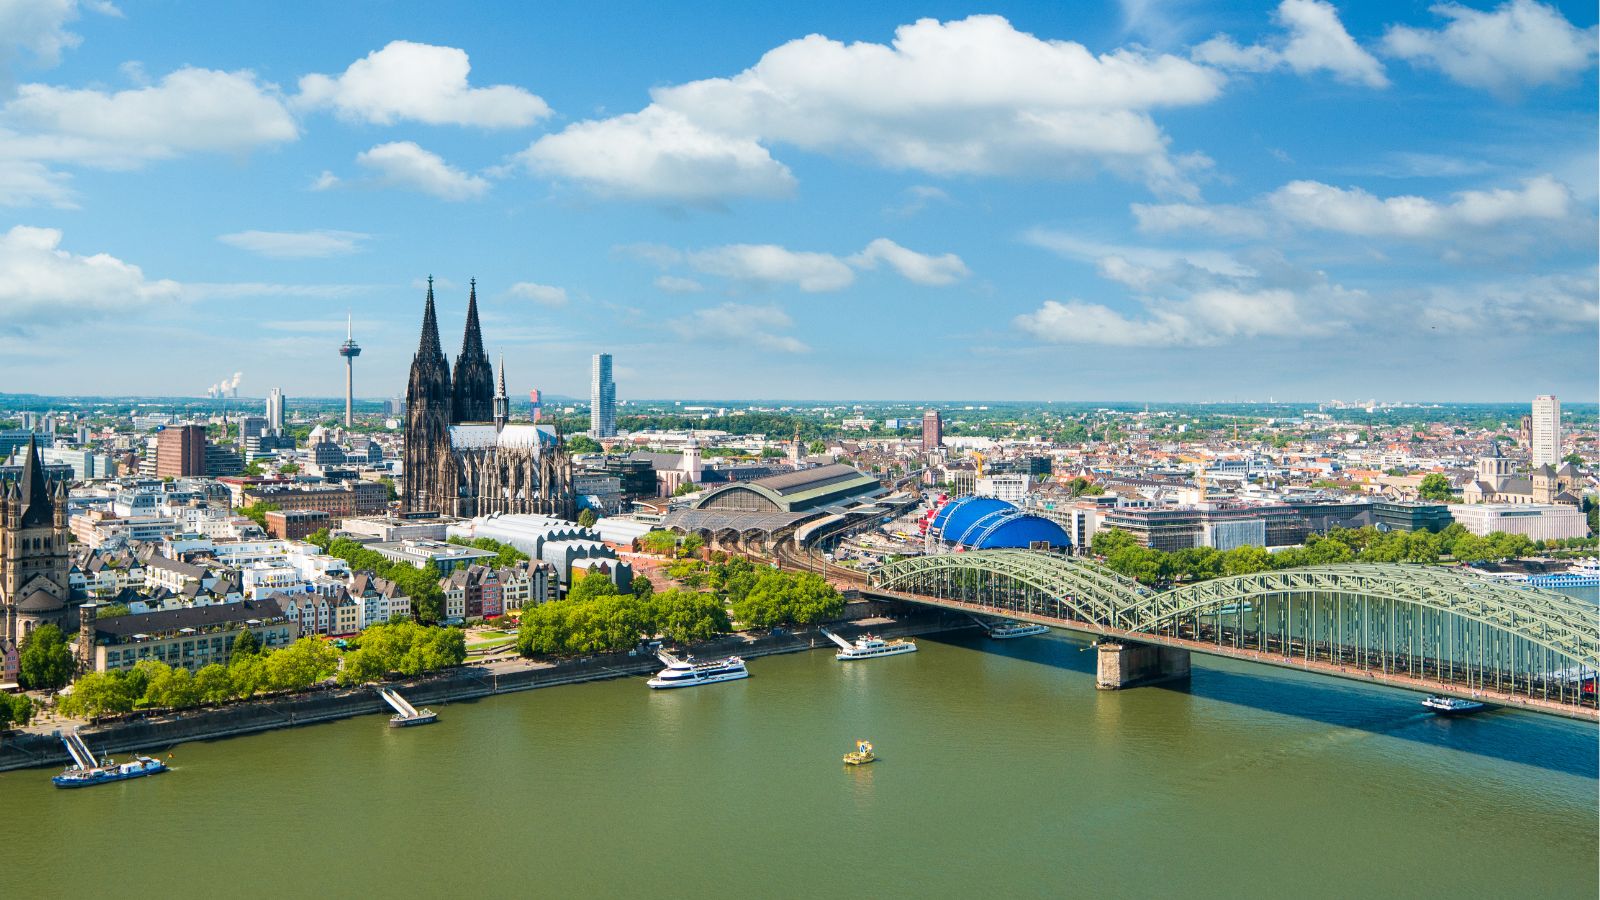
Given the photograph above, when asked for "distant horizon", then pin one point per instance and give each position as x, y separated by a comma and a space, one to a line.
332, 400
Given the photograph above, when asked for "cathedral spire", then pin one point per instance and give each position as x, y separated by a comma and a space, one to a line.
472, 338
474, 375
37, 507
429, 345
502, 402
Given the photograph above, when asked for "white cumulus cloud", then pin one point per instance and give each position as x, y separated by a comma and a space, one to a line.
1315, 41
662, 156
406, 165
190, 110
810, 271
973, 96
38, 28
422, 83
772, 264
543, 294
40, 282
24, 182
934, 271
296, 244
1313, 204
1520, 44
1202, 319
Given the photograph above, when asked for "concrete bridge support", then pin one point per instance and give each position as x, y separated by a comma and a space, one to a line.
1127, 664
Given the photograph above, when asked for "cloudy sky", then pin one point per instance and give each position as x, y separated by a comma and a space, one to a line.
1076, 201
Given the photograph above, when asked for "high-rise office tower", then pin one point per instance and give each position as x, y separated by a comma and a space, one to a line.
1546, 431
349, 350
932, 430
181, 451
275, 410
602, 398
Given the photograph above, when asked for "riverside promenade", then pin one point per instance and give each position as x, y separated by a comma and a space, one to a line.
151, 732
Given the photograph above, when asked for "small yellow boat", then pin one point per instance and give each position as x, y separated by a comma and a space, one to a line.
861, 755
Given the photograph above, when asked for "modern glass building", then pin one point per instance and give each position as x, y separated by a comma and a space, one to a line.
602, 398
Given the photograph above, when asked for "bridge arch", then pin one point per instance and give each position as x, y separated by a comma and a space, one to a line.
1431, 627
1561, 624
1090, 592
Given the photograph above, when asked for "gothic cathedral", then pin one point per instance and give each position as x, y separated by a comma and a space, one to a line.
463, 457
34, 589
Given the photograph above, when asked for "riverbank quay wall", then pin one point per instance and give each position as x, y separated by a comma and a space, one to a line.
20, 750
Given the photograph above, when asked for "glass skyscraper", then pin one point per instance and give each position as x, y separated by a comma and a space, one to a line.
602, 398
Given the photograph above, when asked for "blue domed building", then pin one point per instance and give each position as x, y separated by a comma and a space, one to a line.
987, 523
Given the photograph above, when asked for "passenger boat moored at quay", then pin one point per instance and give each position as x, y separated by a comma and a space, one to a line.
690, 672
869, 647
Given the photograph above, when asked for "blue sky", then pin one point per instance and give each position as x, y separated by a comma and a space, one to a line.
1149, 200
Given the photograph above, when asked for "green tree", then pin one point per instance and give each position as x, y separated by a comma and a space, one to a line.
590, 587
15, 709
300, 665
290, 468
246, 644
212, 685
45, 661
1246, 560
1573, 458
582, 443
816, 447
257, 512
642, 587
1107, 541
1470, 548
688, 487
248, 675
99, 693
173, 688
111, 611
587, 518
685, 616
1435, 486
662, 543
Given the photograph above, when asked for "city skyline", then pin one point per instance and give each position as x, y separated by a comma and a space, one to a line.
1283, 183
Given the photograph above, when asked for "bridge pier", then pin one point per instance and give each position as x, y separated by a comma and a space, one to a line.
1127, 664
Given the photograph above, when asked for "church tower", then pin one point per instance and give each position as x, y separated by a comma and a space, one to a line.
34, 587
502, 402
474, 379
428, 418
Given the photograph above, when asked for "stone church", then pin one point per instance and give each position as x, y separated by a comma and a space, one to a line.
1495, 482
463, 457
34, 555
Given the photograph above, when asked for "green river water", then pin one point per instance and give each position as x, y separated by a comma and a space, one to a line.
1003, 773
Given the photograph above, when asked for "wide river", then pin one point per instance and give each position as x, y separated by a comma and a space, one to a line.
1003, 773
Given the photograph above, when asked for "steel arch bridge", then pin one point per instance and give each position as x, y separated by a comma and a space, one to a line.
1430, 627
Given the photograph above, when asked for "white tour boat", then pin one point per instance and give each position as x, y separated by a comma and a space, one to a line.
1001, 631
869, 647
690, 672
1451, 706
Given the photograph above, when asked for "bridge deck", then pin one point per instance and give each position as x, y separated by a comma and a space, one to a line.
1320, 667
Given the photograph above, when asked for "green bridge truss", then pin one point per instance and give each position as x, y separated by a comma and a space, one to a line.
1565, 626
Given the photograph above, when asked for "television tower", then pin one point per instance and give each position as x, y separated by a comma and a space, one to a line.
349, 350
